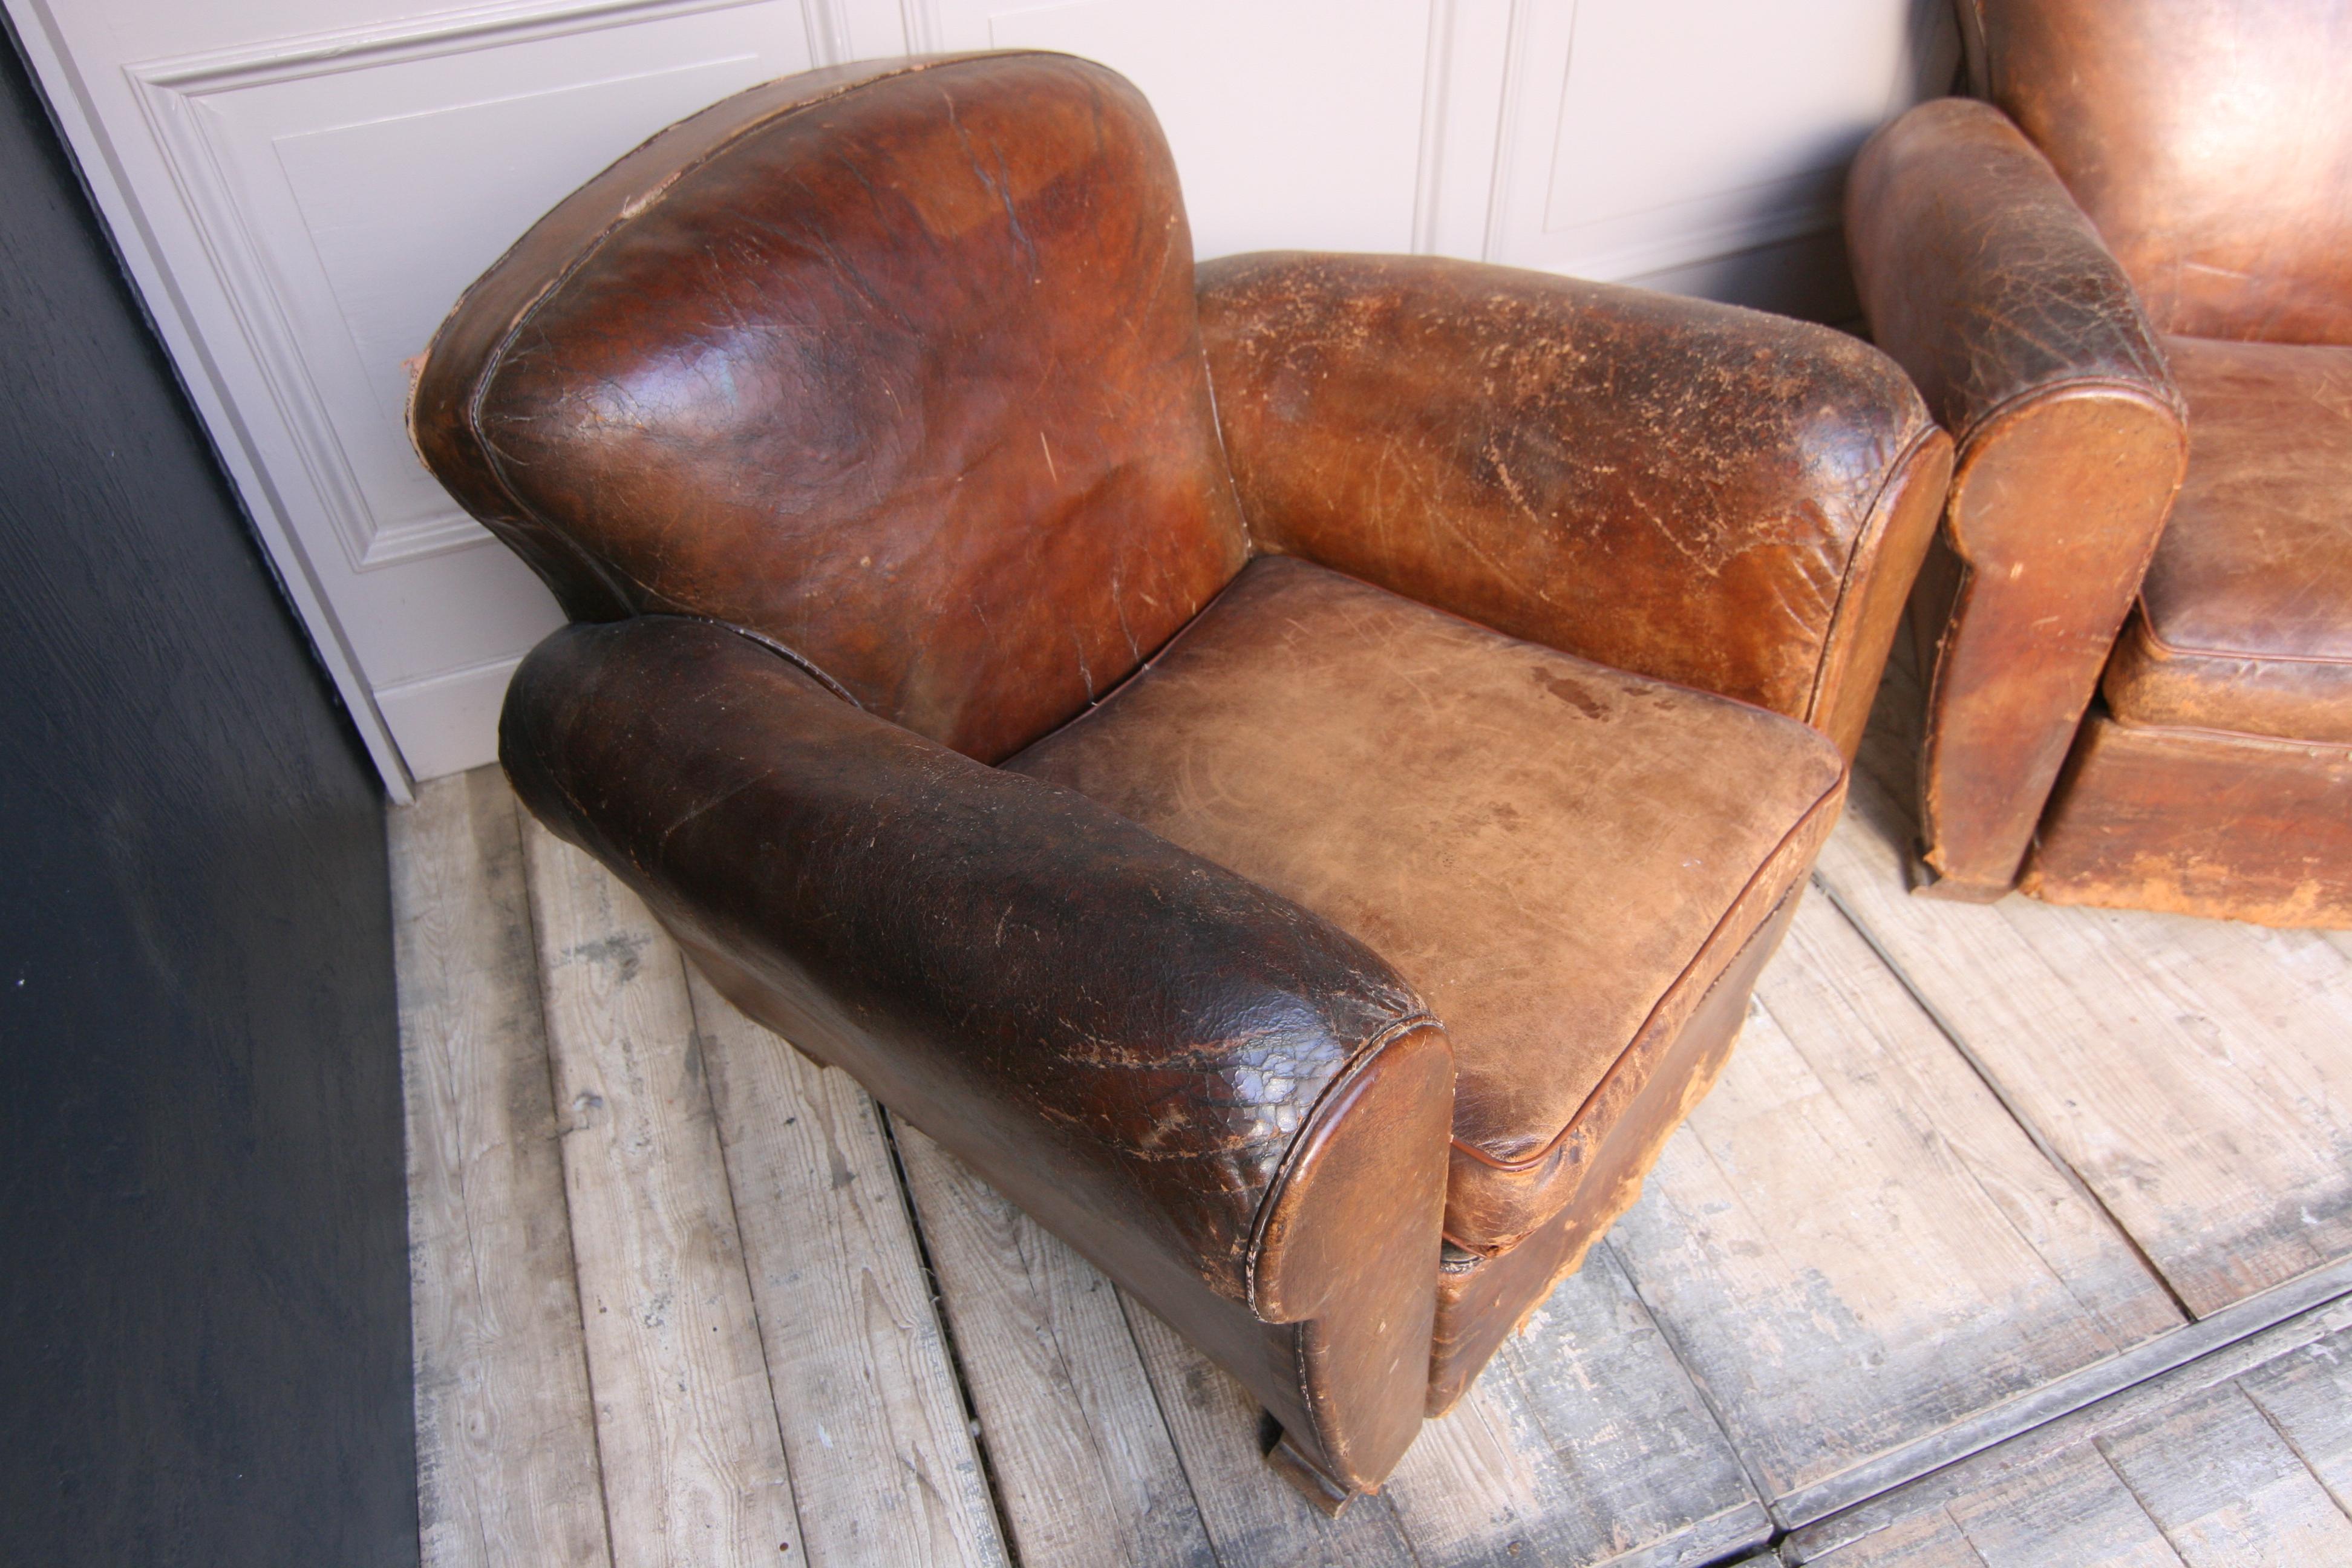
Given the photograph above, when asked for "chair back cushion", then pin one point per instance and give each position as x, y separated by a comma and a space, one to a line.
2209, 139
896, 365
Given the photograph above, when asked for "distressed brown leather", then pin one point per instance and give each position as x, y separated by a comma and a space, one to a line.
1984, 280
1483, 1299
2209, 140
1670, 486
1156, 1056
2232, 826
2245, 617
864, 425
1561, 857
792, 364
2185, 163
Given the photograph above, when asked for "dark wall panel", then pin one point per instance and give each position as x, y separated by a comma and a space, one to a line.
203, 1295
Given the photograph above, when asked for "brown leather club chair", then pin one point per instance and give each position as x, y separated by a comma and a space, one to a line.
1119, 723
2164, 183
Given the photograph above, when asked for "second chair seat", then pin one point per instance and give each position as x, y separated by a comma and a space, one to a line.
2245, 620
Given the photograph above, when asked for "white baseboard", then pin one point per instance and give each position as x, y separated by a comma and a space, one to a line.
449, 722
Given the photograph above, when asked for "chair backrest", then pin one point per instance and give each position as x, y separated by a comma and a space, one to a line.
896, 365
2209, 139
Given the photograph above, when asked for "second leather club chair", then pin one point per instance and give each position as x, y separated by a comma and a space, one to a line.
1289, 772
2134, 262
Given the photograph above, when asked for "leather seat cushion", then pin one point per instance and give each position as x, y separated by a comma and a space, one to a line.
2244, 621
1560, 855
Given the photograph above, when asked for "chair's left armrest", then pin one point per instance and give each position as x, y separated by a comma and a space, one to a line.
1691, 491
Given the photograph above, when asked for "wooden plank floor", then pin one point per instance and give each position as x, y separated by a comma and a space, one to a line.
1974, 1174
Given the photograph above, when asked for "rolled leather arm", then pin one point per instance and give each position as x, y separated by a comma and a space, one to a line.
1690, 490
1983, 278
1227, 1103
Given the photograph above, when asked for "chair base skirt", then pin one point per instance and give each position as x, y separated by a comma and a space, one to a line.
2194, 822
1481, 1301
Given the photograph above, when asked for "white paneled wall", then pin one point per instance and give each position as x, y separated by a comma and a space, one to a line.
300, 188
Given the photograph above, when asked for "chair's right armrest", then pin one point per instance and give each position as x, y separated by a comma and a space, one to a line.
1234, 1108
1984, 279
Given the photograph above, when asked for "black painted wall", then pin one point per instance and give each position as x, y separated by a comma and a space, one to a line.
204, 1289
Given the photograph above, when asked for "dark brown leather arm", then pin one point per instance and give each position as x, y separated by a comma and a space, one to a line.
1230, 1105
1982, 277
1690, 490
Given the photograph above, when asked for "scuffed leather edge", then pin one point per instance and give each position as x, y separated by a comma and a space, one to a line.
1827, 804
1981, 276
1310, 1129
443, 412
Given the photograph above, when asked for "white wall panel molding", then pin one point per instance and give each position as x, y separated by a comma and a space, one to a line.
306, 163
299, 188
1646, 135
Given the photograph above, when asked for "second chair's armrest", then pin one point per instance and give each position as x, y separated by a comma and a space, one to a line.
1685, 489
1982, 277
1234, 1108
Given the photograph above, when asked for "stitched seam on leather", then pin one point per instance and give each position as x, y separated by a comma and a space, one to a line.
2071, 387
1875, 523
790, 654
630, 212
1217, 428
1490, 1250
1354, 1063
1137, 674
1530, 1161
2288, 742
2181, 650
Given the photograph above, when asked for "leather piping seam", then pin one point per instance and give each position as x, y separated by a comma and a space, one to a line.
784, 651
629, 213
1530, 1161
2181, 650
2289, 742
1973, 429
1875, 523
1349, 1070
1488, 1252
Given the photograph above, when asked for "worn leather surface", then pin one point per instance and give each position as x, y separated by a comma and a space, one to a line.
1980, 275
1558, 855
864, 423
1030, 977
1681, 489
1482, 1299
2230, 826
2245, 617
2209, 142
799, 361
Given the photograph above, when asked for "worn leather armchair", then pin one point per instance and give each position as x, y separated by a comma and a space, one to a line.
1290, 771
2133, 261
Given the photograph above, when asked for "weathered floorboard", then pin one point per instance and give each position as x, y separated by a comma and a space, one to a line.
1251, 1514
2072, 1512
2225, 1487
505, 1438
2224, 1459
1851, 1243
2219, 1134
882, 1464
2196, 1074
693, 1464
1083, 1463
1583, 1441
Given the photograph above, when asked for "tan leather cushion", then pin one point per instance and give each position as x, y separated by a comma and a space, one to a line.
2245, 619
1558, 855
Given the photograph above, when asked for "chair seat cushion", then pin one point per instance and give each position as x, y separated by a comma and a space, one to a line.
2244, 621
1561, 857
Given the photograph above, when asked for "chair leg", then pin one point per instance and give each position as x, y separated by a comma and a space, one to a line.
1327, 1495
